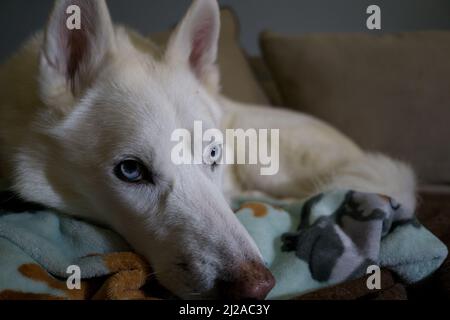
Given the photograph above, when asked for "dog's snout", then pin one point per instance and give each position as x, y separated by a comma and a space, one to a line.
252, 281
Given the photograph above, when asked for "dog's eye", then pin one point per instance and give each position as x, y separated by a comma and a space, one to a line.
213, 154
131, 171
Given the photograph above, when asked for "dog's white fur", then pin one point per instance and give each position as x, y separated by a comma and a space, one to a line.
62, 131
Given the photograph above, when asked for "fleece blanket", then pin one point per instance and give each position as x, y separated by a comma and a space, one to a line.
307, 244
337, 236
40, 249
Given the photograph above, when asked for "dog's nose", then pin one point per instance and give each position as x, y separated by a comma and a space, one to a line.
252, 281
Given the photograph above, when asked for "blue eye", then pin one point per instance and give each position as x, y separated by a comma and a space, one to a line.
131, 171
212, 154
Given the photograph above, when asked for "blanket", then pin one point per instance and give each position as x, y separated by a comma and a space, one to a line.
307, 244
41, 249
338, 236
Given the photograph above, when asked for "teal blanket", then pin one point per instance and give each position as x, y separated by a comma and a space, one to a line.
334, 237
307, 244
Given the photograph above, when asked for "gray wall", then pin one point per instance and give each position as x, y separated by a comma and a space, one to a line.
19, 18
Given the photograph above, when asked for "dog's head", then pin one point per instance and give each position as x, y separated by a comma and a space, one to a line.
106, 154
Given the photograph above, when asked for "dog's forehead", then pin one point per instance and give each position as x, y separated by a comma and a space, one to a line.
151, 90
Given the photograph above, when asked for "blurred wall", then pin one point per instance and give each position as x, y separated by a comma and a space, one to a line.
20, 18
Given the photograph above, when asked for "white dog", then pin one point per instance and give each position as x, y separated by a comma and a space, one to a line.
86, 120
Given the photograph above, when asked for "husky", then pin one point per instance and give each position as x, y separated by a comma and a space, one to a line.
86, 118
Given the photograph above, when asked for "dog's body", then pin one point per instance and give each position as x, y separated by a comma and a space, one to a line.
73, 113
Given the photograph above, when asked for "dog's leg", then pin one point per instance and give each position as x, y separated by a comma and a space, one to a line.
372, 173
315, 158
375, 173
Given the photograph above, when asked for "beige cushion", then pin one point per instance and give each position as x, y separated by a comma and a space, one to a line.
390, 93
265, 79
237, 79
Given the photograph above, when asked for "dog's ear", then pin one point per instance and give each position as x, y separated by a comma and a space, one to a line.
78, 39
195, 42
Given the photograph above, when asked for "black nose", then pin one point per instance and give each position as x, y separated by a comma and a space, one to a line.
252, 281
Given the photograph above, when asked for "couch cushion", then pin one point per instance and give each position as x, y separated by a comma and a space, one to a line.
265, 79
390, 93
237, 79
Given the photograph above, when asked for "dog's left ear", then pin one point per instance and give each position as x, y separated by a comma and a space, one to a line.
195, 42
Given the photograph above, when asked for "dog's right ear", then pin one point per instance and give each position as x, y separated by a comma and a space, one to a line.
72, 54
194, 43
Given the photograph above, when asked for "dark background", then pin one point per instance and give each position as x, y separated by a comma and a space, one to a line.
20, 18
